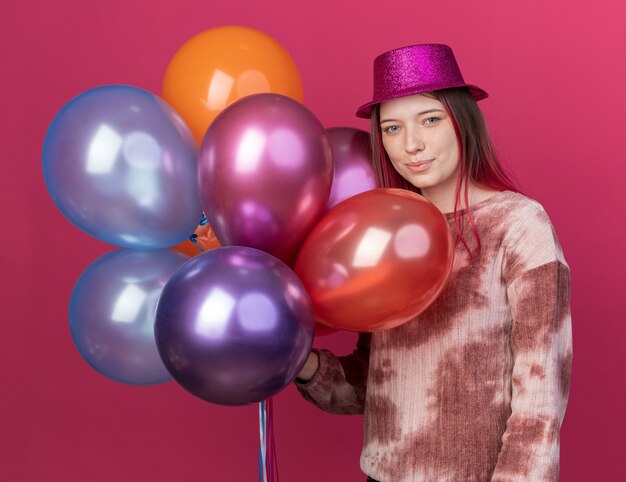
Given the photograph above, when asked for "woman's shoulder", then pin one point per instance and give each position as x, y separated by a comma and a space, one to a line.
499, 206
529, 235
517, 205
508, 210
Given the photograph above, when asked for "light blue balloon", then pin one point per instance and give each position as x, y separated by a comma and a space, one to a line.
113, 311
121, 165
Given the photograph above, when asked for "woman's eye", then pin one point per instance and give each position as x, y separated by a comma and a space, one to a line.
391, 129
431, 120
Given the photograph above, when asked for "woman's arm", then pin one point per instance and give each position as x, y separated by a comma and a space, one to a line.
337, 384
538, 288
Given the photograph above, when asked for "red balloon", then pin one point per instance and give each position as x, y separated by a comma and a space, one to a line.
323, 330
376, 260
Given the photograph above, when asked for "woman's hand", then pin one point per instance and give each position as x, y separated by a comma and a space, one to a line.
310, 367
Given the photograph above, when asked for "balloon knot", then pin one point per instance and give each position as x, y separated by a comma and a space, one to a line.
193, 239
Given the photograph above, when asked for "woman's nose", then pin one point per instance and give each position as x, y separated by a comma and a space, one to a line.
414, 142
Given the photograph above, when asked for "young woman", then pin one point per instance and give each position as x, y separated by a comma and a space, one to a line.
474, 388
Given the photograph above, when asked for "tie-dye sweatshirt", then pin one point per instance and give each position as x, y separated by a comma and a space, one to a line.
475, 388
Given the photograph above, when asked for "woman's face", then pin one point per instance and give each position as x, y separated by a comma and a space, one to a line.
419, 138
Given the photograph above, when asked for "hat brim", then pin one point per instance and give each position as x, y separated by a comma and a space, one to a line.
365, 111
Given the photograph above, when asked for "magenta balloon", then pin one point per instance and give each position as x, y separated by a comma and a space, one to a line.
265, 172
353, 164
234, 325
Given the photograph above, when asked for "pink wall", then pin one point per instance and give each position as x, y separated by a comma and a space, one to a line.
556, 76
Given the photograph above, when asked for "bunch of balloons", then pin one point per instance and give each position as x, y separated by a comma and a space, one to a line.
231, 144
120, 164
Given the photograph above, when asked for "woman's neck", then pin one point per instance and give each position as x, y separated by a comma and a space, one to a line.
444, 199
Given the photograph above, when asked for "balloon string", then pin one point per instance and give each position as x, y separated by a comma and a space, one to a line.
273, 442
263, 439
192, 238
271, 455
276, 465
261, 442
274, 447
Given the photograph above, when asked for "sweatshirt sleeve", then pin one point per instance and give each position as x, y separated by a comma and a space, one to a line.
538, 289
340, 383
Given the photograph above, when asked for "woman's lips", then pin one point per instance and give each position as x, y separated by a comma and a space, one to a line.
419, 166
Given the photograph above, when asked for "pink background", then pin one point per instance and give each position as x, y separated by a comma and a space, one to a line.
556, 74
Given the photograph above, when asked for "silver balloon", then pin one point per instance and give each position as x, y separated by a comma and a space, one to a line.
113, 309
121, 165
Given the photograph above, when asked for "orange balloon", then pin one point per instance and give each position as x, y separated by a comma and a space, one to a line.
205, 239
376, 260
221, 65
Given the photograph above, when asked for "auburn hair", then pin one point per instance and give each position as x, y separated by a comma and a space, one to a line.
478, 161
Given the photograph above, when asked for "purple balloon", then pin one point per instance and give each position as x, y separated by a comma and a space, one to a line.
121, 165
234, 326
112, 313
353, 164
265, 172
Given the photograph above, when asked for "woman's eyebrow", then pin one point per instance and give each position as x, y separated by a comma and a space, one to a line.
430, 110
419, 113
